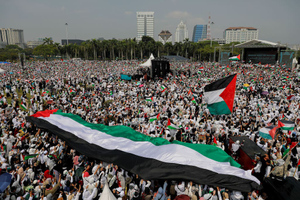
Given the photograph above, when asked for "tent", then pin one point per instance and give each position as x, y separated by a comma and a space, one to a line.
2, 70
235, 58
148, 62
107, 194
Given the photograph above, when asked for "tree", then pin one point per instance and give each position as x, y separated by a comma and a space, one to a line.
168, 47
45, 50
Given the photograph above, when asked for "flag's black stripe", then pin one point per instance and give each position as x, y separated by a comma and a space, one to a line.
219, 84
147, 168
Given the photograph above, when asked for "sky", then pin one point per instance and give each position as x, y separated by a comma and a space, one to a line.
276, 20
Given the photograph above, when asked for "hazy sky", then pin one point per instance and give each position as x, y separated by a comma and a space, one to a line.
277, 20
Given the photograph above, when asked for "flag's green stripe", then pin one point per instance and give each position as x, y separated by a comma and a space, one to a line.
218, 108
287, 128
208, 151
30, 156
265, 135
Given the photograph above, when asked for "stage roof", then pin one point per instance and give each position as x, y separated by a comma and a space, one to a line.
259, 44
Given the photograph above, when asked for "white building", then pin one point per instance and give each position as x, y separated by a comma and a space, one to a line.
240, 34
12, 36
165, 36
181, 32
145, 24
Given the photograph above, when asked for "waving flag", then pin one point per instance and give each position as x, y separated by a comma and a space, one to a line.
23, 106
163, 88
287, 125
268, 132
149, 99
171, 126
150, 158
154, 118
219, 95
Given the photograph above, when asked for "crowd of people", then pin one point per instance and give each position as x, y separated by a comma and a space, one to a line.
44, 167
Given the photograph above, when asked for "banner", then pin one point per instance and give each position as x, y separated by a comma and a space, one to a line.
286, 58
125, 77
224, 58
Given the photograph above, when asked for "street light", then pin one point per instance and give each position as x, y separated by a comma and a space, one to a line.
210, 41
67, 33
212, 23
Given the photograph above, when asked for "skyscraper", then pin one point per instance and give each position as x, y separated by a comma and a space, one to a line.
12, 36
181, 32
240, 34
200, 33
145, 24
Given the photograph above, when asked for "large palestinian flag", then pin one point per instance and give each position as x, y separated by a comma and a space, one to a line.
150, 158
219, 95
287, 125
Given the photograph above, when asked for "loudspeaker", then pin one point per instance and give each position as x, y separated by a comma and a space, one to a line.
160, 68
22, 62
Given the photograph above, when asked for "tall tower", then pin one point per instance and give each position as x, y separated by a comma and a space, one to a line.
181, 32
208, 29
145, 24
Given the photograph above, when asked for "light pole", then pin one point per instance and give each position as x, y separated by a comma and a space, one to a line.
67, 33
210, 41
212, 23
67, 40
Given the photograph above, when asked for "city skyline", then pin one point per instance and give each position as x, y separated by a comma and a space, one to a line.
117, 19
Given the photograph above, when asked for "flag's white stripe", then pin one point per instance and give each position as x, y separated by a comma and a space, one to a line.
213, 96
264, 130
288, 125
172, 153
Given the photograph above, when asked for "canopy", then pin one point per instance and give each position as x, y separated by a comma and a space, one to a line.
148, 62
235, 57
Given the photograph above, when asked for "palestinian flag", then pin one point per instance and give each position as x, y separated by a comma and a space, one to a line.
149, 99
23, 106
150, 158
268, 132
154, 118
287, 125
233, 58
194, 101
163, 88
219, 95
30, 156
171, 126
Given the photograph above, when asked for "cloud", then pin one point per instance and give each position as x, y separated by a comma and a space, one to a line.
128, 13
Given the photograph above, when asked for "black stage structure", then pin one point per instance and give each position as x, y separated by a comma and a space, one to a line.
261, 51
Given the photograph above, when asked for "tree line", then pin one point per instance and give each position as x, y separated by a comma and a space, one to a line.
127, 49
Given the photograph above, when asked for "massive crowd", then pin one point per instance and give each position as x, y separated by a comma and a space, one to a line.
44, 167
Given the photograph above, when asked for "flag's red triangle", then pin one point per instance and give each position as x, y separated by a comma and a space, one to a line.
272, 132
158, 115
239, 56
280, 124
169, 122
293, 145
228, 94
215, 140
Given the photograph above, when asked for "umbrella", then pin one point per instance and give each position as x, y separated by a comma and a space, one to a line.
2, 70
4, 181
246, 85
265, 93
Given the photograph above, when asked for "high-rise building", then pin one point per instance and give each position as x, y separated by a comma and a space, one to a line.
240, 34
165, 36
12, 36
145, 24
181, 32
200, 33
